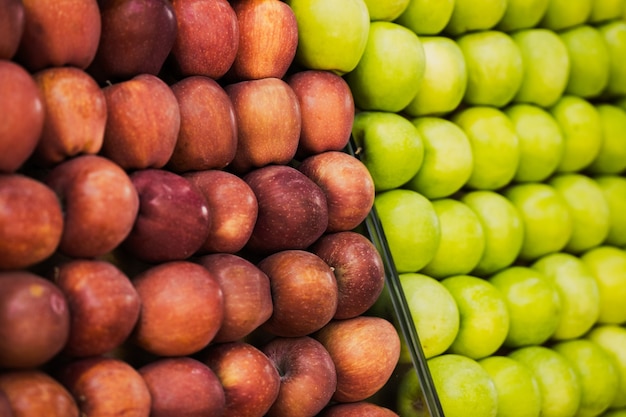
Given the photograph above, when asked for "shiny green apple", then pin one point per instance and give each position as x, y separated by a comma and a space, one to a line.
474, 15
426, 17
522, 14
614, 34
605, 10
614, 189
611, 158
563, 14
386, 10
612, 338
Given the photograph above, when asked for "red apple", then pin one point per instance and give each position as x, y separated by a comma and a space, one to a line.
358, 268
182, 307
36, 393
357, 409
268, 123
293, 211
233, 207
104, 306
143, 120
100, 204
5, 405
173, 220
307, 376
348, 186
268, 38
365, 350
137, 37
21, 106
250, 380
304, 292
247, 295
183, 387
59, 33
11, 27
31, 221
327, 108
208, 132
34, 320
208, 37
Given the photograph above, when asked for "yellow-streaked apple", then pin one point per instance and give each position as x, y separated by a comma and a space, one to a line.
563, 14
522, 14
605, 10
474, 15
614, 34
611, 158
426, 17
612, 339
387, 10
614, 189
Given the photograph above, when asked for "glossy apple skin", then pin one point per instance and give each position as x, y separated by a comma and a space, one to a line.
250, 380
34, 320
182, 307
22, 109
308, 376
31, 221
173, 219
11, 27
208, 131
233, 207
207, 39
358, 269
104, 306
137, 37
293, 212
100, 204
143, 121
59, 33
247, 295
183, 387
357, 409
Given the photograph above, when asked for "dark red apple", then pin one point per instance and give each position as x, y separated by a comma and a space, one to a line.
34, 320
250, 380
183, 387
182, 307
208, 132
247, 295
137, 37
304, 292
307, 376
173, 220
31, 221
327, 108
35, 393
207, 39
11, 27
104, 306
357, 409
268, 123
143, 120
58, 33
5, 406
233, 207
293, 211
268, 38
21, 106
348, 186
365, 350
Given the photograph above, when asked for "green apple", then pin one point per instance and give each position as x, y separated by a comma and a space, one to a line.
588, 207
540, 142
474, 15
518, 390
605, 10
563, 14
391, 69
596, 372
445, 79
448, 159
495, 146
582, 132
433, 310
332, 34
463, 386
557, 380
386, 10
426, 17
612, 338
589, 61
608, 266
611, 158
484, 317
461, 238
546, 218
614, 34
411, 227
389, 145
546, 66
614, 189
522, 14
533, 302
578, 291
495, 67
502, 226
